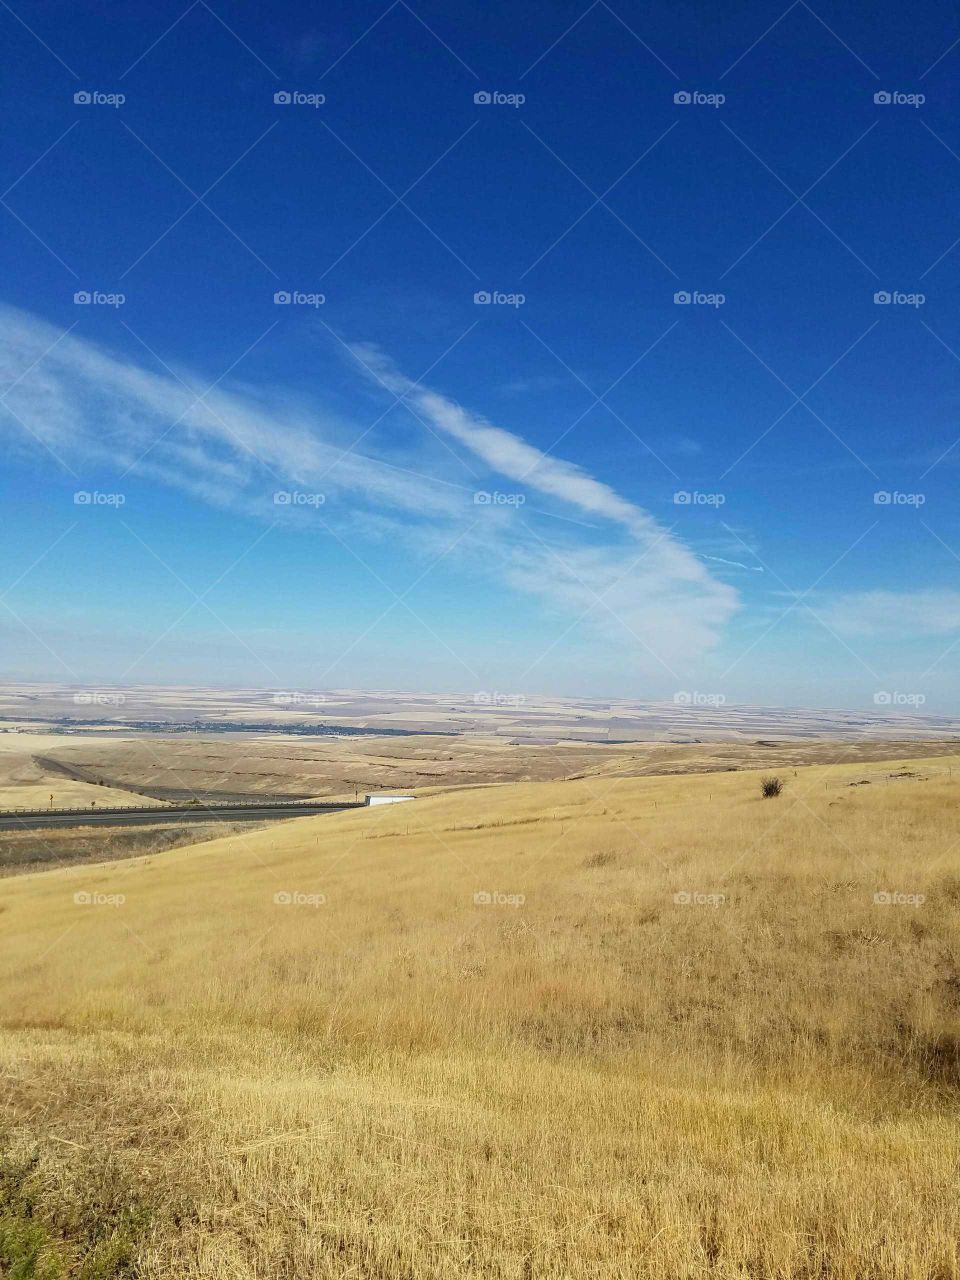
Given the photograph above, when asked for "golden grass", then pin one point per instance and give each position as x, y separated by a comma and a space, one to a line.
599, 1081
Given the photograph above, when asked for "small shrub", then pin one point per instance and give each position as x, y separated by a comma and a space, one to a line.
87, 1224
602, 858
771, 786
27, 1251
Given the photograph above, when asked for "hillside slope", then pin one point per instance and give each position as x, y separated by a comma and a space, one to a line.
604, 1027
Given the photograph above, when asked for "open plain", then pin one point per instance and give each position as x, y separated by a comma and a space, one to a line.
611, 1025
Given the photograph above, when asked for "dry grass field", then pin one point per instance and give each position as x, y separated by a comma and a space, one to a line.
35, 766
117, 767
605, 1027
44, 849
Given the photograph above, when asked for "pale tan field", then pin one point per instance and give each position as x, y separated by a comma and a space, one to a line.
119, 768
402, 1081
30, 779
526, 717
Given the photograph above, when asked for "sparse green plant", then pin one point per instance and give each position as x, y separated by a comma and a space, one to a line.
27, 1251
82, 1222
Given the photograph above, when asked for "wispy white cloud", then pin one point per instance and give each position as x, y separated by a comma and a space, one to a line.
506, 453
606, 560
893, 615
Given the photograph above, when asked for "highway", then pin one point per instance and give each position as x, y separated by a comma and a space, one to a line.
39, 819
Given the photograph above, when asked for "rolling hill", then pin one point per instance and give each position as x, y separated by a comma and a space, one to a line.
610, 1026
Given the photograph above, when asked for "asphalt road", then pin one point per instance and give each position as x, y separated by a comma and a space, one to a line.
39, 819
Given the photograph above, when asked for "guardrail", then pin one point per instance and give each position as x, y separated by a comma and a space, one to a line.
187, 806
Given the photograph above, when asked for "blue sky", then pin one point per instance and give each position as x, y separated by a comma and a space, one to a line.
584, 485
